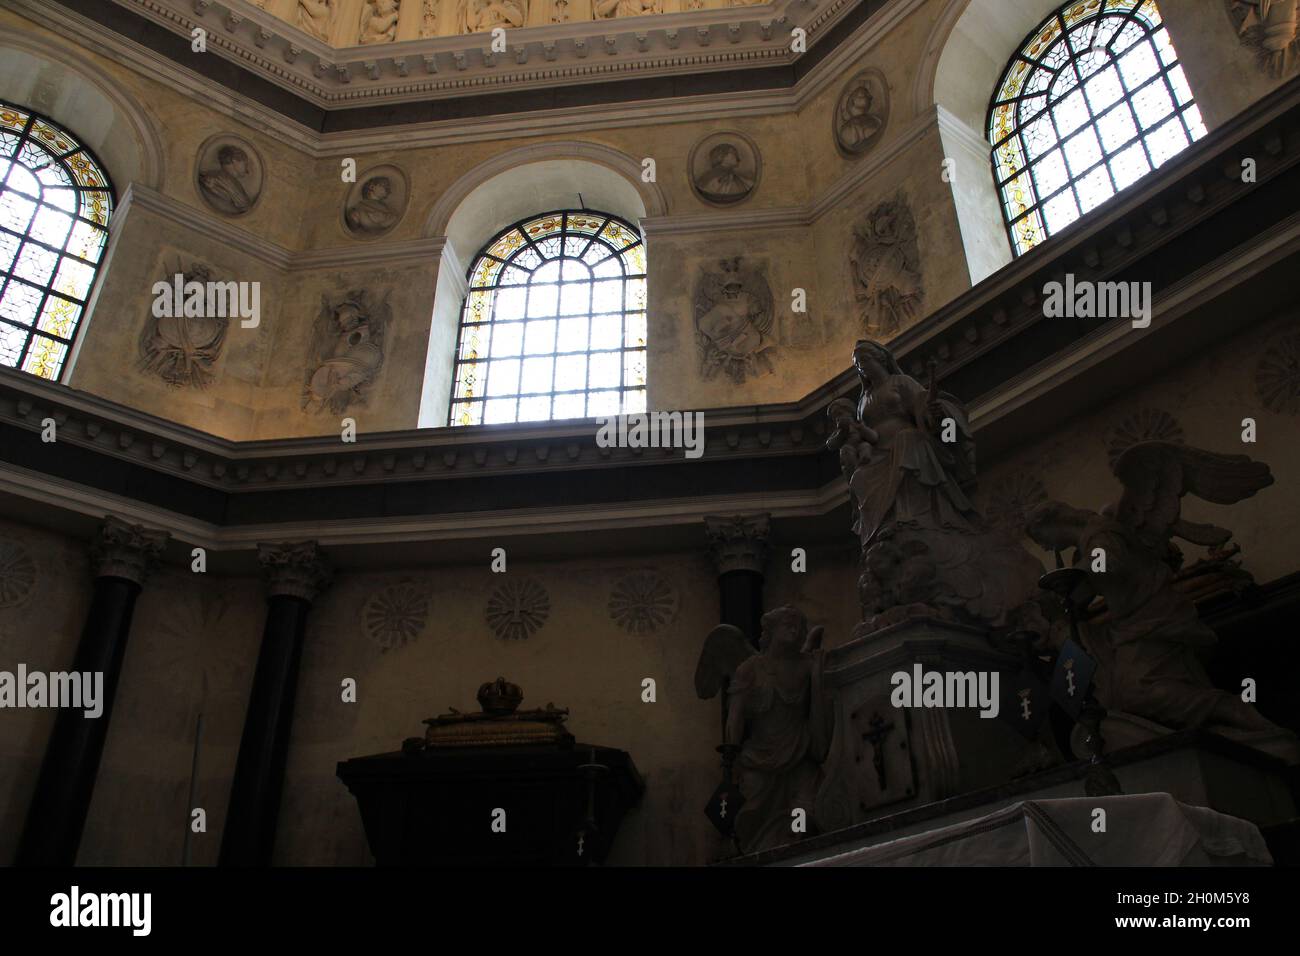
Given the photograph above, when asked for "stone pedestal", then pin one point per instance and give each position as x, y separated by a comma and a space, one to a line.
883, 758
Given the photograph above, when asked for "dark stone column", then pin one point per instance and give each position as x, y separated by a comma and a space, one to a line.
296, 574
738, 545
120, 558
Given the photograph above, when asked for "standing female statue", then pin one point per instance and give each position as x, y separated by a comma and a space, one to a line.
910, 462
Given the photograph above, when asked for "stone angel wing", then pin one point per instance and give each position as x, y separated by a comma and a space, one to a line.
724, 650
1156, 475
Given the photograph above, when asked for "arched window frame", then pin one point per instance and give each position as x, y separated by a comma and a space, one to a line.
511, 261
1027, 179
47, 275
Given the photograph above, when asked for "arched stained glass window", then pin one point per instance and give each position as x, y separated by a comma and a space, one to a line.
55, 201
554, 324
1093, 101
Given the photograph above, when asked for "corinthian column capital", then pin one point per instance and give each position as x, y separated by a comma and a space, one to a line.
295, 569
122, 550
738, 542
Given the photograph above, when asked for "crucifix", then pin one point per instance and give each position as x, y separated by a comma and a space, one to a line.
876, 737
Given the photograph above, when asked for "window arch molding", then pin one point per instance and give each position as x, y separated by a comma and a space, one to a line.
1093, 100
510, 186
56, 200
78, 95
554, 322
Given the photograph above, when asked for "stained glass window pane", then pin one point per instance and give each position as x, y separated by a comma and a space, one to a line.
1094, 100
55, 203
561, 299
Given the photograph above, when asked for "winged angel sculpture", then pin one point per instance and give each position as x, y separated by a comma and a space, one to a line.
777, 713
1149, 639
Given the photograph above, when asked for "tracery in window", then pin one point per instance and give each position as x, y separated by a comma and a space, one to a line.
554, 323
1094, 100
55, 202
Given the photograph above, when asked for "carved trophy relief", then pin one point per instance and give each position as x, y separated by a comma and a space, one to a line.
1271, 28
315, 17
229, 175
885, 264
183, 348
861, 113
481, 16
379, 21
349, 350
560, 12
734, 320
609, 9
724, 168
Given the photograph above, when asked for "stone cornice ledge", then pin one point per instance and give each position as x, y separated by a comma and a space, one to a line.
359, 255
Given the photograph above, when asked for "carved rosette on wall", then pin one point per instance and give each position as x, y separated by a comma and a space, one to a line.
375, 203
1271, 28
229, 175
122, 550
738, 542
349, 346
861, 114
295, 569
517, 609
733, 321
724, 168
396, 614
1277, 376
885, 263
183, 349
1147, 424
17, 573
1011, 500
642, 602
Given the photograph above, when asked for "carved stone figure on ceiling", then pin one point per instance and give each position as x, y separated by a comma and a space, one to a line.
608, 9
1272, 27
861, 113
733, 322
925, 548
481, 16
183, 349
379, 21
779, 721
229, 175
314, 17
724, 168
429, 18
886, 267
349, 350
1148, 642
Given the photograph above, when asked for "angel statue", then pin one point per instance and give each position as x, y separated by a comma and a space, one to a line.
910, 463
776, 713
1147, 643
